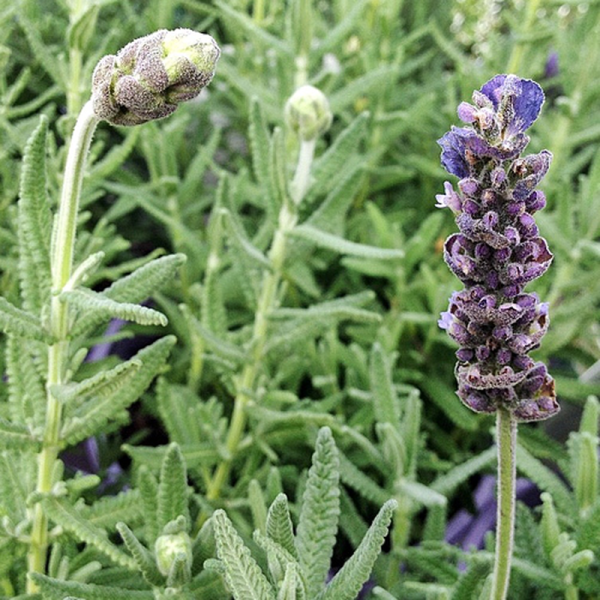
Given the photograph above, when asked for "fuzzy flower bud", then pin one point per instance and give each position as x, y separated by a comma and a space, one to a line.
169, 546
307, 113
497, 251
150, 76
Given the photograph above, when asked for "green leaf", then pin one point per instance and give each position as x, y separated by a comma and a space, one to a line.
102, 385
21, 323
327, 169
27, 394
421, 493
278, 558
545, 479
354, 478
239, 238
259, 144
135, 287
318, 521
93, 414
342, 246
385, 399
54, 589
69, 518
348, 581
16, 435
148, 488
172, 488
141, 555
107, 511
446, 484
34, 221
243, 576
469, 583
277, 175
279, 525
101, 308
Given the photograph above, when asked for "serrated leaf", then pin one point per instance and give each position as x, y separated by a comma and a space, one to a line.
141, 555
54, 589
448, 482
238, 237
338, 244
105, 309
348, 581
327, 168
318, 520
135, 287
421, 493
545, 479
354, 478
172, 488
65, 515
34, 221
93, 414
107, 511
385, 400
279, 525
16, 435
102, 385
242, 574
278, 558
21, 323
278, 195
259, 143
148, 488
27, 394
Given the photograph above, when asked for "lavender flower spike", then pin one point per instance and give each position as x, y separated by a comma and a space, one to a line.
498, 251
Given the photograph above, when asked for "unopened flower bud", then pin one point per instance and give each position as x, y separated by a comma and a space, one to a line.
150, 76
307, 112
169, 546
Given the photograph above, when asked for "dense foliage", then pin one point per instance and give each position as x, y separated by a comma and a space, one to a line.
254, 364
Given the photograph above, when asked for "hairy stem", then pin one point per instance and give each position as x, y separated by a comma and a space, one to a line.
507, 441
267, 301
63, 245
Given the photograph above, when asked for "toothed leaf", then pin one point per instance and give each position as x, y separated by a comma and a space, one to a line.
243, 576
318, 521
172, 498
141, 555
348, 581
34, 221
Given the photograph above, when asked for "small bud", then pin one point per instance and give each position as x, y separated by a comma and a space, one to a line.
307, 113
150, 76
169, 546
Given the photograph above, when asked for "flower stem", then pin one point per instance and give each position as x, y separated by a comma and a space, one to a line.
507, 442
267, 301
62, 251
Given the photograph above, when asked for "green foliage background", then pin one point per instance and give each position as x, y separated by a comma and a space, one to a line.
353, 343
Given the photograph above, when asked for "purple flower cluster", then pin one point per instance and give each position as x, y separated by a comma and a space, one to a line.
498, 251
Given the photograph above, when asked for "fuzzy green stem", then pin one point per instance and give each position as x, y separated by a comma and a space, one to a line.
267, 302
507, 442
63, 245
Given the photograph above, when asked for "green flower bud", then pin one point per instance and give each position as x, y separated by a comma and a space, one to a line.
168, 547
307, 113
150, 76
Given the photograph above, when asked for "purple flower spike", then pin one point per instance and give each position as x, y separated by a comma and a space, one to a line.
497, 251
523, 99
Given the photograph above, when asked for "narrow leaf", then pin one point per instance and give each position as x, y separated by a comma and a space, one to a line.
34, 221
348, 581
385, 400
21, 323
318, 521
172, 488
16, 435
141, 555
104, 309
342, 246
279, 524
243, 576
65, 515
92, 415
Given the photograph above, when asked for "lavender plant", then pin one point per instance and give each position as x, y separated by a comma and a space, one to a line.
497, 252
51, 411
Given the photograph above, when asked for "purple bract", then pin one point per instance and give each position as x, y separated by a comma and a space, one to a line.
497, 251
